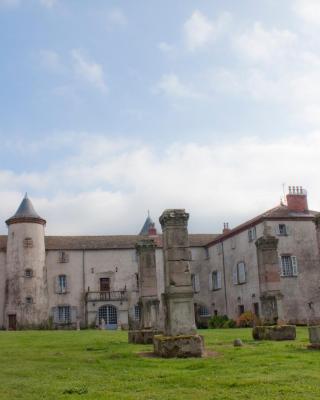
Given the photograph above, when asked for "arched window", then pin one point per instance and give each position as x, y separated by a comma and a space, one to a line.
109, 314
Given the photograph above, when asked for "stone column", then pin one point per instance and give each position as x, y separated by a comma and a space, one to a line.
180, 338
148, 299
269, 277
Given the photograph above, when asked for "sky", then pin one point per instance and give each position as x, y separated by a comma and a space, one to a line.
109, 109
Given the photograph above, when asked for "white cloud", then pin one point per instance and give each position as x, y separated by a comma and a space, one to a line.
107, 185
199, 31
262, 45
51, 60
116, 17
165, 47
9, 3
88, 70
171, 86
48, 3
308, 10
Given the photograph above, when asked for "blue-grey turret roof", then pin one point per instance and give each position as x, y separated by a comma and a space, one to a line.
26, 213
147, 226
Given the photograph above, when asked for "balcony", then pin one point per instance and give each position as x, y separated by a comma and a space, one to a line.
121, 295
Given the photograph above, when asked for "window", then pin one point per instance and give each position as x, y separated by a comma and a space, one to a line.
239, 273
29, 300
233, 243
63, 257
136, 275
240, 309
252, 234
137, 312
219, 248
64, 315
195, 283
282, 230
215, 312
288, 265
28, 273
62, 284
256, 309
216, 280
104, 284
203, 311
27, 242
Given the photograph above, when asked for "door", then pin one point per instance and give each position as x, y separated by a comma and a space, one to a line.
104, 284
108, 315
12, 322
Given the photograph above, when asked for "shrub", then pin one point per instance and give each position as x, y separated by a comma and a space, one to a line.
247, 319
221, 321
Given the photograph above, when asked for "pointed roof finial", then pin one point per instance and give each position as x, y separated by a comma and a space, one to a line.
26, 213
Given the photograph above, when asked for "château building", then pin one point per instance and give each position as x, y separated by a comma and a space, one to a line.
269, 265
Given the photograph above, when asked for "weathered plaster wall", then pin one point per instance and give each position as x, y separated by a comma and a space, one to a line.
2, 286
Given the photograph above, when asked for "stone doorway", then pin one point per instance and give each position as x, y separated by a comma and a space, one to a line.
12, 319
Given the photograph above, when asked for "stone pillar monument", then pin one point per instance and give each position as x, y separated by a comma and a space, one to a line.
180, 338
148, 300
269, 277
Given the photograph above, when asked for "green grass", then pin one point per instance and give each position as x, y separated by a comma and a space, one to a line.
102, 365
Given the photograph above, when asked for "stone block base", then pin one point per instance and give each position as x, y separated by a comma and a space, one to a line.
281, 332
143, 336
178, 346
314, 336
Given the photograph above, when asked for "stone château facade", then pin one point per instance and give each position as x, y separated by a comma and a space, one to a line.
269, 265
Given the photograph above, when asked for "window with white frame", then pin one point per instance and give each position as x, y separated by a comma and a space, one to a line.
239, 273
216, 280
61, 284
288, 265
282, 230
195, 282
137, 312
252, 234
64, 314
203, 311
63, 256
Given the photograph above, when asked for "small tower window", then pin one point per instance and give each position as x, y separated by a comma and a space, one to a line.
28, 273
27, 242
63, 257
29, 300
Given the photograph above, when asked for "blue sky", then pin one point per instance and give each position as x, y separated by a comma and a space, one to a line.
110, 108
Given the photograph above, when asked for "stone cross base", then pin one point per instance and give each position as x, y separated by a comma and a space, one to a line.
181, 346
142, 336
276, 332
314, 336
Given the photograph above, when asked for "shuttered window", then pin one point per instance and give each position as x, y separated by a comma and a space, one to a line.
239, 275
195, 282
288, 265
216, 280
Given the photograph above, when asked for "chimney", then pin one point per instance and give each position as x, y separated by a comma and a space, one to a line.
152, 231
226, 228
297, 199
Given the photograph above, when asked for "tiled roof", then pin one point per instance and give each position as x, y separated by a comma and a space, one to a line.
280, 212
25, 212
107, 242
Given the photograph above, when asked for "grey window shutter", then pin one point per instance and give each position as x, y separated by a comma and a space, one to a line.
55, 314
288, 230
241, 272
57, 285
280, 266
294, 265
197, 283
67, 288
277, 230
73, 314
235, 275
219, 280
210, 281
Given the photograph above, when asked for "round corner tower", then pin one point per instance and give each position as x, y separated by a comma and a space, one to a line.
25, 293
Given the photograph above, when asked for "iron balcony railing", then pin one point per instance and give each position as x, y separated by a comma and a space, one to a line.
120, 295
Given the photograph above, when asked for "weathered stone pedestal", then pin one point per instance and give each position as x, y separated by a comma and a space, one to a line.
142, 336
281, 332
148, 300
181, 346
314, 337
180, 338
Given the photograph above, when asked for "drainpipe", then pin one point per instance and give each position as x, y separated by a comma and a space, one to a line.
224, 278
84, 289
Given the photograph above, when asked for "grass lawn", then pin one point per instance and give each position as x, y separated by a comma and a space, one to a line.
102, 365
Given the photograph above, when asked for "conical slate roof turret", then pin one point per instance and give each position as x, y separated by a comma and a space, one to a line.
26, 213
148, 227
